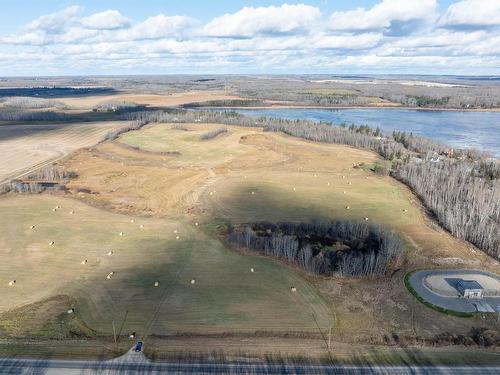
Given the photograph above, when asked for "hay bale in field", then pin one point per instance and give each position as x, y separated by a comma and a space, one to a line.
71, 311
12, 282
32, 227
51, 243
366, 219
110, 275
177, 237
175, 231
141, 226
132, 220
121, 233
315, 175
347, 207
252, 270
253, 192
405, 210
110, 252
54, 209
345, 192
157, 283
293, 289
58, 207
84, 261
343, 177
71, 212
196, 224
132, 335
294, 189
349, 183
328, 184
193, 281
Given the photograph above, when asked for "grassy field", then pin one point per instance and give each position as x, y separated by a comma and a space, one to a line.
226, 295
168, 180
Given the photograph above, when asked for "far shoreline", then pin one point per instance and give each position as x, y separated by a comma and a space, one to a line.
273, 106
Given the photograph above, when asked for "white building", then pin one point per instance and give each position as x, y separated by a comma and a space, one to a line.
470, 289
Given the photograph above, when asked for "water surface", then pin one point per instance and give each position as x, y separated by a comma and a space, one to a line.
461, 129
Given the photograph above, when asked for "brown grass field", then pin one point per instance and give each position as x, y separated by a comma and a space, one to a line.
175, 184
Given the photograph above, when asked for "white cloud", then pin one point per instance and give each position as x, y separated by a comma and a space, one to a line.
472, 13
395, 16
251, 21
156, 27
394, 35
107, 20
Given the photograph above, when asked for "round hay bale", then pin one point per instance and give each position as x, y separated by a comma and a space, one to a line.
51, 243
193, 281
366, 219
328, 184
252, 270
58, 207
12, 282
253, 192
71, 212
141, 226
349, 183
347, 207
196, 224
177, 237
405, 210
121, 233
32, 227
54, 209
294, 189
175, 231
110, 252
315, 175
157, 283
84, 261
71, 311
110, 275
132, 335
293, 289
132, 221
345, 192
343, 177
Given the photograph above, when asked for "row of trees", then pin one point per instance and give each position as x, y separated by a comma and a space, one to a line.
26, 102
344, 248
460, 187
22, 115
212, 133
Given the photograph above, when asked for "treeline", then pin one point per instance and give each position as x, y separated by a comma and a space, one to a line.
344, 248
52, 173
460, 187
464, 199
114, 134
25, 102
21, 115
212, 133
228, 103
116, 106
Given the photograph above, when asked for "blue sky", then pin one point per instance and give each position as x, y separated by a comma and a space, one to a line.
63, 37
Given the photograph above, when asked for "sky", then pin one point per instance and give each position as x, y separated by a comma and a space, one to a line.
119, 37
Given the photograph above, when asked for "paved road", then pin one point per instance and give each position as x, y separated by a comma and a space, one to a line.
451, 303
60, 367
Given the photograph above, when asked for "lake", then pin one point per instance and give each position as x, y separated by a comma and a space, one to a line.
462, 129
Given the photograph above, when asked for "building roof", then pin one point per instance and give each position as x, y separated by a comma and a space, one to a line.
470, 284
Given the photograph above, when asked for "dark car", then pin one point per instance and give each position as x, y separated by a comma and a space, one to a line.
138, 346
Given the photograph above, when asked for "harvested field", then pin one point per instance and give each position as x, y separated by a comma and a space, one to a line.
28, 146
